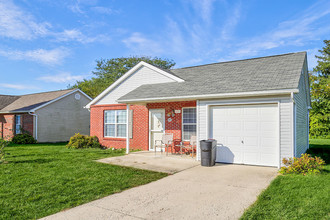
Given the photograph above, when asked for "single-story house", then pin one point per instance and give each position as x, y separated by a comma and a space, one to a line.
256, 109
48, 116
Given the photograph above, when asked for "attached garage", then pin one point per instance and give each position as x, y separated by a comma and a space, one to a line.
247, 134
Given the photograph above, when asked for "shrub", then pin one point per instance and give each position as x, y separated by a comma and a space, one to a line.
79, 141
23, 139
302, 165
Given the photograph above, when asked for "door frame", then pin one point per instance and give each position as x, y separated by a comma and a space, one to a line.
247, 102
149, 127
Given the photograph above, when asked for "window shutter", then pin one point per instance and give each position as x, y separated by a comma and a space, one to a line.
130, 124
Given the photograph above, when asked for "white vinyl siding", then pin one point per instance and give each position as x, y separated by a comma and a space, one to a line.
302, 121
285, 117
142, 76
188, 123
115, 123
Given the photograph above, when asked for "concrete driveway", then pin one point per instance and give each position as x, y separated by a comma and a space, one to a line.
219, 192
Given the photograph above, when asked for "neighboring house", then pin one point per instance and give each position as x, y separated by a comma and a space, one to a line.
257, 109
49, 116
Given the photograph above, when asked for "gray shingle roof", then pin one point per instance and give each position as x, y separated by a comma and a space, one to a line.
28, 102
257, 74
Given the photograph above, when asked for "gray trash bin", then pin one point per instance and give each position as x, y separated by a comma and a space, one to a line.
208, 152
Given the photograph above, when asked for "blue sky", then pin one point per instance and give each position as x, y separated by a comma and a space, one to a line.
46, 45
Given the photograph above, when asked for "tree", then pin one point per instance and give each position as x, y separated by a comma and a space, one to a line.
107, 71
320, 95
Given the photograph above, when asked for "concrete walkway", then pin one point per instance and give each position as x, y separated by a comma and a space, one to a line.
219, 192
147, 160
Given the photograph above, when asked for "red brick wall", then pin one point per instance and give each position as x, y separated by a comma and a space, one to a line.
140, 126
27, 123
140, 138
175, 126
7, 125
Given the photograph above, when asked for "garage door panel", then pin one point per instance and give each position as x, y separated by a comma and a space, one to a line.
248, 134
250, 141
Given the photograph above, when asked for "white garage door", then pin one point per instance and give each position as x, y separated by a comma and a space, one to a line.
246, 134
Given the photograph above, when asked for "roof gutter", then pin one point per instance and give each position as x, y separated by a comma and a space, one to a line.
212, 96
13, 112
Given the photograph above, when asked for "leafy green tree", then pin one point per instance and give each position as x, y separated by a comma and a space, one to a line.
320, 95
107, 71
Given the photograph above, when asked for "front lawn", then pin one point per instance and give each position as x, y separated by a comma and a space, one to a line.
296, 196
43, 179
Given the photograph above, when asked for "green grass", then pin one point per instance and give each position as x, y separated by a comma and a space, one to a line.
296, 196
43, 179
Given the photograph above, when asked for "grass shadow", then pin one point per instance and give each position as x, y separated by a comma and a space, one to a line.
39, 161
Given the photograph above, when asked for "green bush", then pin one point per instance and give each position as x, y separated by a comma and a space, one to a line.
23, 139
302, 165
79, 141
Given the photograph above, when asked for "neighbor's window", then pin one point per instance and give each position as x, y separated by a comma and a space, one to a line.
18, 125
115, 123
188, 123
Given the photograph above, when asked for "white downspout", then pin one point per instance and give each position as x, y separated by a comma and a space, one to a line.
293, 125
36, 125
127, 128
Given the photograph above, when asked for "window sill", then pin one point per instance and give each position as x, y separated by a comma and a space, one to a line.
114, 138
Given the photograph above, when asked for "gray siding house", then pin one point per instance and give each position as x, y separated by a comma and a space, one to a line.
49, 116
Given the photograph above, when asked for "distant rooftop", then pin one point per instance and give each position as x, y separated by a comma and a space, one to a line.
25, 103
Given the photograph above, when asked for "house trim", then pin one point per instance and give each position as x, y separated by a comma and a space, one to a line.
149, 126
209, 96
188, 123
208, 106
127, 74
58, 98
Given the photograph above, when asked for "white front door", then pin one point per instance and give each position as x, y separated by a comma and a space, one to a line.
156, 126
246, 134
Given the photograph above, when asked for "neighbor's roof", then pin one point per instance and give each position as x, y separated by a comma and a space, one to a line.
28, 102
279, 72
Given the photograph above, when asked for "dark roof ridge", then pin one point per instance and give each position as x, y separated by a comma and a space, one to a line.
231, 61
48, 92
10, 95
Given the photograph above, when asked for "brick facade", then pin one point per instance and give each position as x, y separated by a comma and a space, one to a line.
140, 126
140, 136
7, 125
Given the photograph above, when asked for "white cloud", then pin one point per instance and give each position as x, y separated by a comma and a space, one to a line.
204, 8
64, 77
49, 57
141, 44
17, 24
104, 10
231, 22
76, 35
296, 32
16, 86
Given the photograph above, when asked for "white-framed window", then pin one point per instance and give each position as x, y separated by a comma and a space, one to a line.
115, 123
188, 123
18, 125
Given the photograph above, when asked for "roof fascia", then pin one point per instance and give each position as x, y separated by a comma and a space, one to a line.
58, 98
224, 95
